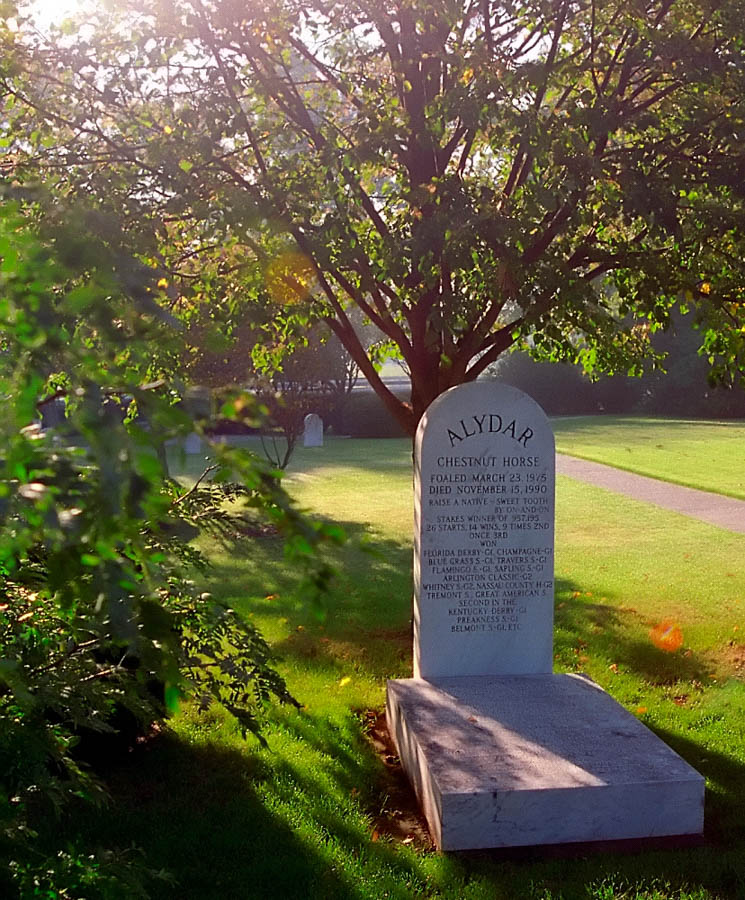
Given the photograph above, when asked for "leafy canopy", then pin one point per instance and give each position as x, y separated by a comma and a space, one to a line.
469, 175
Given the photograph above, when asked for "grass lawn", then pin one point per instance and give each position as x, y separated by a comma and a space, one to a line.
313, 816
705, 455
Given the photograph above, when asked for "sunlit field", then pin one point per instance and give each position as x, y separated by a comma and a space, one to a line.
650, 604
699, 454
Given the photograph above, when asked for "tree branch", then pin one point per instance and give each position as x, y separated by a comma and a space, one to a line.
208, 471
500, 342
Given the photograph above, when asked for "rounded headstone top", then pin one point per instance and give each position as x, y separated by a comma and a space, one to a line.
313, 434
484, 410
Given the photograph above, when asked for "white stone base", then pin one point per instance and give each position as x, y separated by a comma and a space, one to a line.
537, 759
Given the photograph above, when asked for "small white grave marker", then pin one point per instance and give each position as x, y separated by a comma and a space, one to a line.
313, 434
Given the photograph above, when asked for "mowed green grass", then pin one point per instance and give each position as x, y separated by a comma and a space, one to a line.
313, 816
698, 454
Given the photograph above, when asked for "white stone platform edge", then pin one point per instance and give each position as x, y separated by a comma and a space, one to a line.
652, 793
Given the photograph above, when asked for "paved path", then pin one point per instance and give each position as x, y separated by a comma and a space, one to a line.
724, 512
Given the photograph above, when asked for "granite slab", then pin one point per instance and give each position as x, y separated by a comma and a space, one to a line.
501, 761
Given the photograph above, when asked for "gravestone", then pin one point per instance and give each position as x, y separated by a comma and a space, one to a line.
484, 535
53, 413
501, 751
193, 443
313, 433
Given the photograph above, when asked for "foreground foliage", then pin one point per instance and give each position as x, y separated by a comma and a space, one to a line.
102, 628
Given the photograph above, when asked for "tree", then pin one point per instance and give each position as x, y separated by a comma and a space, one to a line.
314, 375
467, 174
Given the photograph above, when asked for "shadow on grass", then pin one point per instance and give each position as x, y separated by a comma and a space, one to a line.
292, 823
194, 811
725, 776
587, 627
367, 612
382, 455
369, 454
229, 823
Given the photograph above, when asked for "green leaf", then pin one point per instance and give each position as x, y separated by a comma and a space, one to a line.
90, 560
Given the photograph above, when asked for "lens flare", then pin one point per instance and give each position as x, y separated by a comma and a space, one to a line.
667, 636
290, 277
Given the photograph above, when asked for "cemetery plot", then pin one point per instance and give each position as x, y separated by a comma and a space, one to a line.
502, 752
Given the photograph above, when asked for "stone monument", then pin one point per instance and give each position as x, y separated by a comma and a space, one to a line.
193, 443
313, 433
501, 751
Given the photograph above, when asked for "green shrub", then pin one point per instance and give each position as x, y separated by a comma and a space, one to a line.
100, 621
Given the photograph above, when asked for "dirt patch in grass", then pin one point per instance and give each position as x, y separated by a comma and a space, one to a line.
399, 816
257, 529
401, 638
721, 663
733, 658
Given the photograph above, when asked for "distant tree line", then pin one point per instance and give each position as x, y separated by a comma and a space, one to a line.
318, 377
682, 388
